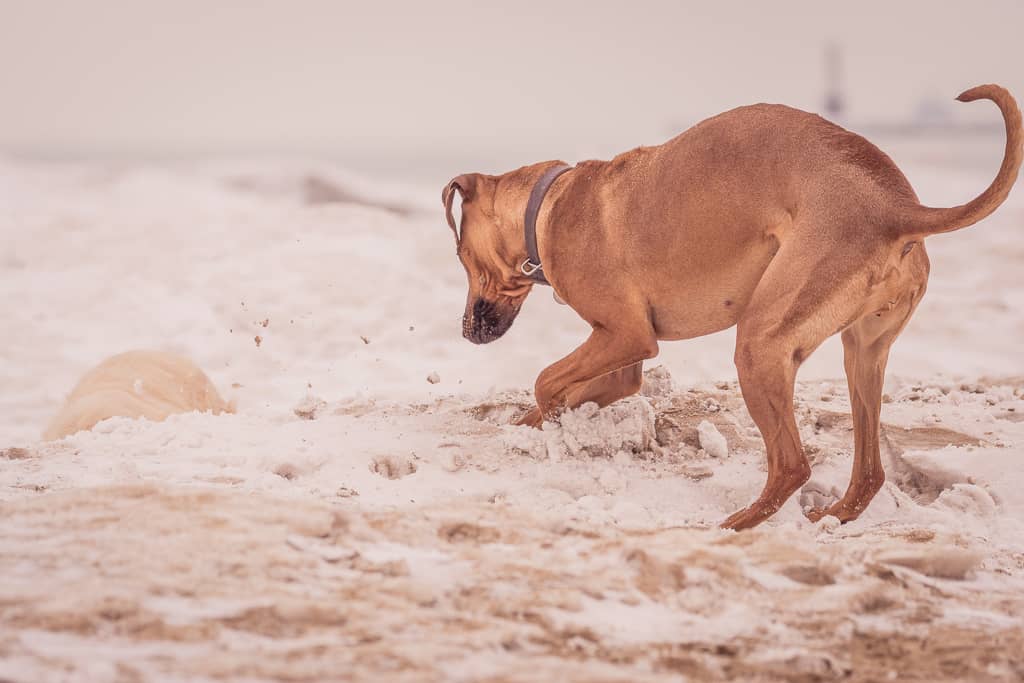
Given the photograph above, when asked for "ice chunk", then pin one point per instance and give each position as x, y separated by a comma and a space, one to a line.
711, 440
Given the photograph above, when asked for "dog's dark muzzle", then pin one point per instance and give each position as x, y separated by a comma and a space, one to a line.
486, 321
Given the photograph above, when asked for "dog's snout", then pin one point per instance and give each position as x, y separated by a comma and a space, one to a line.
485, 321
482, 309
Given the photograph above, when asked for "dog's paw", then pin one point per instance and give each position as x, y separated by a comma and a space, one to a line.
816, 514
532, 418
841, 510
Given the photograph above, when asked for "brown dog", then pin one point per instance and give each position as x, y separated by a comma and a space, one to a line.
764, 217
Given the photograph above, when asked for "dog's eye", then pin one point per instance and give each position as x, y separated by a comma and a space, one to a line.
907, 248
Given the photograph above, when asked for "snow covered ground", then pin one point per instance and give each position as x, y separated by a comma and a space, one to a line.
355, 521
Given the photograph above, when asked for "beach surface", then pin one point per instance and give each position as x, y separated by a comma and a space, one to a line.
369, 513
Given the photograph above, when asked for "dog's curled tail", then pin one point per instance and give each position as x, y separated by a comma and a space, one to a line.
924, 220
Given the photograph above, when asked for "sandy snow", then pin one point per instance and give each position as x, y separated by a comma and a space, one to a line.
370, 514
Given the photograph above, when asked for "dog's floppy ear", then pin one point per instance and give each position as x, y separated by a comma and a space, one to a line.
465, 184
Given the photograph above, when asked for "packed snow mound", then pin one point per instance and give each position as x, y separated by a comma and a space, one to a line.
626, 426
711, 440
658, 383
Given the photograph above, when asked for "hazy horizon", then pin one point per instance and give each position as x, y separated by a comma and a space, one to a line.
397, 84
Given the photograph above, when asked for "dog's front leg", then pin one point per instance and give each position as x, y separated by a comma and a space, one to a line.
603, 391
581, 374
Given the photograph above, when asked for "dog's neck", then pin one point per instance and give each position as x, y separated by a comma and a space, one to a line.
521, 196
532, 267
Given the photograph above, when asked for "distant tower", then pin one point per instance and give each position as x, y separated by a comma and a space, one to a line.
835, 104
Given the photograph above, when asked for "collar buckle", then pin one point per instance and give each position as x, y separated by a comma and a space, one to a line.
528, 268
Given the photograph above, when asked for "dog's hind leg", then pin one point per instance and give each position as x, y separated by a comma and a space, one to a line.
866, 345
804, 297
767, 373
603, 391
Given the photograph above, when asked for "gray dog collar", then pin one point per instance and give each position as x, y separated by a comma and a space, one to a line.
532, 267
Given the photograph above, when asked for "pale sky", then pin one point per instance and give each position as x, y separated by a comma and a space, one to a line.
392, 85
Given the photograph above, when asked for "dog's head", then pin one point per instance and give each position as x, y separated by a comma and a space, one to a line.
489, 243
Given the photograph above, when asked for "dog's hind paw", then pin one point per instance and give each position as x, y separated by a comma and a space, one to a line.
816, 514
